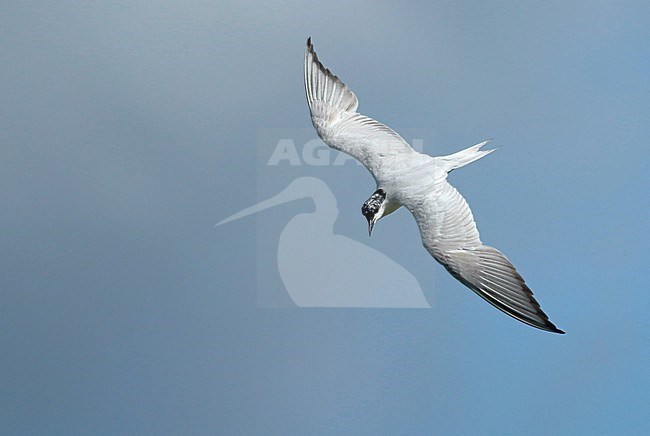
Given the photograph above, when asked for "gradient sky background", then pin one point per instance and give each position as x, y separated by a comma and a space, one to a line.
128, 129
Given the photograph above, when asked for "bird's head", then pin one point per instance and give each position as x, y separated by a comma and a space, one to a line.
374, 207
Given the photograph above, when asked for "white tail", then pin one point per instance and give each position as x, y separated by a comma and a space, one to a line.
464, 157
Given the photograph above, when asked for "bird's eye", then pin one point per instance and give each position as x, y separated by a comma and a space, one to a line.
367, 210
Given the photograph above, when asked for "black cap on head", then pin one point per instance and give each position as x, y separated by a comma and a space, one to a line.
372, 206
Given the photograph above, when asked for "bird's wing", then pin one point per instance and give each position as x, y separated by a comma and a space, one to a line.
449, 234
333, 112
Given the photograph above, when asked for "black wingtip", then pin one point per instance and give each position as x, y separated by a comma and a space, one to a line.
551, 328
309, 42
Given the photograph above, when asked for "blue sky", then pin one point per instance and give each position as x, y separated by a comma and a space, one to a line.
130, 128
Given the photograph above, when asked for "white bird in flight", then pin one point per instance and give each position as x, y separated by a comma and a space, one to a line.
419, 182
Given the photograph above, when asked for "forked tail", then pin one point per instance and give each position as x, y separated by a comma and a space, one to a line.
464, 157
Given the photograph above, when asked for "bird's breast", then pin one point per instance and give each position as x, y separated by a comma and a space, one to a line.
408, 177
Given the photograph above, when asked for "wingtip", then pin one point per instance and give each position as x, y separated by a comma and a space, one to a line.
310, 51
545, 325
550, 327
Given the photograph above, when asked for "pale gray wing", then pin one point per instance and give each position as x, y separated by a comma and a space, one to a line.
333, 112
449, 234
